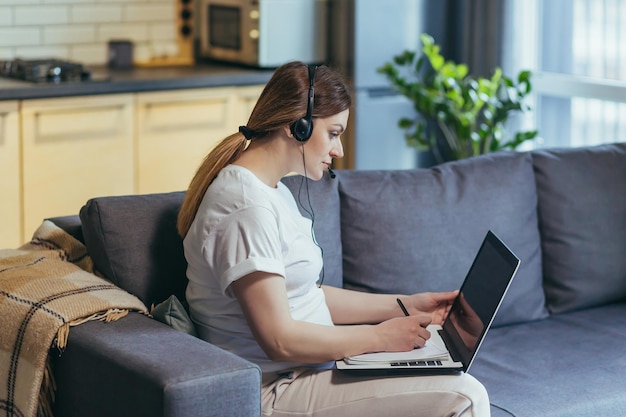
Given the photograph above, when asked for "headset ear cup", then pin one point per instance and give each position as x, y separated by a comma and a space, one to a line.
302, 129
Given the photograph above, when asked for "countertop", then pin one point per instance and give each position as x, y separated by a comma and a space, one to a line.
139, 79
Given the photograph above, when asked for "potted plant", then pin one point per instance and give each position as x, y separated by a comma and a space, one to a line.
458, 116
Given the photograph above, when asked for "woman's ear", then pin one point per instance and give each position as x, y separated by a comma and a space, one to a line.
287, 131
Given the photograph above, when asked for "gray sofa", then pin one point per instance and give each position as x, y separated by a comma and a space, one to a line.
558, 345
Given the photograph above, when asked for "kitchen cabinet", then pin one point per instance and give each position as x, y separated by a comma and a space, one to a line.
177, 129
246, 100
10, 191
73, 149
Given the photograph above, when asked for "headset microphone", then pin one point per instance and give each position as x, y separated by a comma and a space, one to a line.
331, 173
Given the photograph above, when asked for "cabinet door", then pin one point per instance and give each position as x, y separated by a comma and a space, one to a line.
246, 100
74, 149
10, 200
175, 131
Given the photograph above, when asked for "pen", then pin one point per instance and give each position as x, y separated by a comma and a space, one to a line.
406, 313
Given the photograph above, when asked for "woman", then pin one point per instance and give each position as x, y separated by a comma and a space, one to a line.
253, 264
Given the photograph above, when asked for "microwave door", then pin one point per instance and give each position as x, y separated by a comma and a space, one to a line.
225, 27
230, 30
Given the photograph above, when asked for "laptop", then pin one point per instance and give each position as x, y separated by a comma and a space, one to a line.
453, 345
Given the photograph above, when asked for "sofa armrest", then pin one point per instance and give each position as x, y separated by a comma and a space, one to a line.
137, 366
71, 224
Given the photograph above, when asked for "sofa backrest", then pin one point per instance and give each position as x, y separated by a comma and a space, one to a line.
582, 221
418, 230
323, 197
134, 243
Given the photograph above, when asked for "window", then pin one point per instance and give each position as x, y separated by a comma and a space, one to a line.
577, 52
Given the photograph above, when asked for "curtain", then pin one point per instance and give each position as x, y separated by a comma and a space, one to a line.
469, 32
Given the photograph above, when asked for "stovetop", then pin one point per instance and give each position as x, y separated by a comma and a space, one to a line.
44, 70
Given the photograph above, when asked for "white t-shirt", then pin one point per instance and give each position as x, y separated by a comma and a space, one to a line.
242, 226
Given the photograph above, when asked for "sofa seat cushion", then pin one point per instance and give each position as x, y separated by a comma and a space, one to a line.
419, 230
571, 365
582, 221
133, 242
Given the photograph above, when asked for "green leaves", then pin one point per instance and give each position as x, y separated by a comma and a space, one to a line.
465, 116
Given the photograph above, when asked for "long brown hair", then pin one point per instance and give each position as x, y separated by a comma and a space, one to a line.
282, 102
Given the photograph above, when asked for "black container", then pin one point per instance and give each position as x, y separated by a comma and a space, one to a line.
120, 54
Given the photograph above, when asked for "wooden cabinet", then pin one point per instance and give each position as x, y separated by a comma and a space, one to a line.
246, 98
10, 191
177, 129
74, 149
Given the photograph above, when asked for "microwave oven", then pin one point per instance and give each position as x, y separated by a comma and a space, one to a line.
263, 33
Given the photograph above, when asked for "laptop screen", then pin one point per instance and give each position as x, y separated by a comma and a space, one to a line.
479, 299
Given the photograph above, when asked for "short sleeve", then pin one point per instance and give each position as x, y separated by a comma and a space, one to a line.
245, 241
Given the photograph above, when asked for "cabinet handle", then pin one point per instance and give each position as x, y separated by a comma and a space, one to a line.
170, 103
80, 110
107, 121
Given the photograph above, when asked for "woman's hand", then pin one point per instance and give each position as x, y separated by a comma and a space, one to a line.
435, 304
402, 334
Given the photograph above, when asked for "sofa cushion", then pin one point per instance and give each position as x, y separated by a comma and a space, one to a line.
419, 230
173, 313
324, 199
134, 243
582, 220
568, 365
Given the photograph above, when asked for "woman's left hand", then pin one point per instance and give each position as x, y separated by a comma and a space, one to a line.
437, 304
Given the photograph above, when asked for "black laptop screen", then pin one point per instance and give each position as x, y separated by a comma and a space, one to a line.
479, 298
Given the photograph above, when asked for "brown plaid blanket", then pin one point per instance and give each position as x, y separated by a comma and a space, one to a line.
46, 286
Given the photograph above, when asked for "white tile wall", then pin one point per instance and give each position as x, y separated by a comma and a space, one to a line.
80, 29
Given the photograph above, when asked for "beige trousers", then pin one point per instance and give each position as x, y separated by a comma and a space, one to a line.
332, 393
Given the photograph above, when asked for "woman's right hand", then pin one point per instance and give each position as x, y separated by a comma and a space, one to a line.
401, 334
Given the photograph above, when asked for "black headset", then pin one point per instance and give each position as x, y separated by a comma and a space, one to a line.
302, 129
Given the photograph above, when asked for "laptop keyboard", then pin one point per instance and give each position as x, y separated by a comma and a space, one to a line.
417, 363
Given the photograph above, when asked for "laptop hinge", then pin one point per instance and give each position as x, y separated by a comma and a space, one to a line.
449, 341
